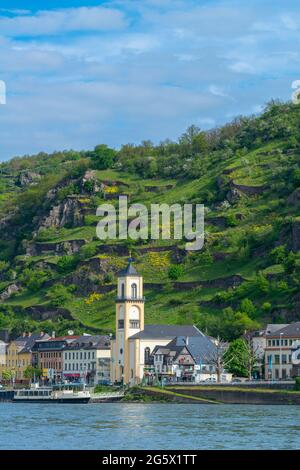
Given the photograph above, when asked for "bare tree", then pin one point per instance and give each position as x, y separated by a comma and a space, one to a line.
251, 354
218, 359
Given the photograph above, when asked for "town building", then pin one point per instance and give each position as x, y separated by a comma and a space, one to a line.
87, 358
280, 347
49, 356
184, 359
3, 347
19, 354
135, 342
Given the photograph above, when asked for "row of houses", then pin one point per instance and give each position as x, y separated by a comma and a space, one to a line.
277, 348
68, 357
145, 353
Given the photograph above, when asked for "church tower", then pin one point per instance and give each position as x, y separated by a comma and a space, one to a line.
129, 318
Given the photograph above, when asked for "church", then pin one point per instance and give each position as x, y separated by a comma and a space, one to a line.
134, 341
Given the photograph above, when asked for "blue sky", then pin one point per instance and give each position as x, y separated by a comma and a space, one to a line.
79, 73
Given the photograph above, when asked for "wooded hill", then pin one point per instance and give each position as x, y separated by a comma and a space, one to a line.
55, 274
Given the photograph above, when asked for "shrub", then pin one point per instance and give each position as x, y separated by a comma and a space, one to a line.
175, 271
297, 384
59, 294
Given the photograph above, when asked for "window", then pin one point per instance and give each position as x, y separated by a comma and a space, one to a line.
269, 342
133, 291
122, 291
134, 324
147, 355
284, 359
276, 357
120, 324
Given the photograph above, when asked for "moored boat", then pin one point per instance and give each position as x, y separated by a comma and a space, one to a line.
64, 393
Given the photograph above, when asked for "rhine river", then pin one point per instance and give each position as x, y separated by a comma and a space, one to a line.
111, 426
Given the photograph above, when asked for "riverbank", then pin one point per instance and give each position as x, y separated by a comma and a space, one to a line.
214, 395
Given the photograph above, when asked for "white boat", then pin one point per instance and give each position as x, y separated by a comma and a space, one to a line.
64, 393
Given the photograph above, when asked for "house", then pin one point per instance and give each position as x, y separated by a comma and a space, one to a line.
134, 341
184, 359
3, 347
281, 345
49, 356
87, 357
19, 354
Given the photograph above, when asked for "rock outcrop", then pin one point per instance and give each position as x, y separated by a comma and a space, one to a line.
68, 247
296, 235
233, 195
28, 178
67, 213
294, 198
9, 291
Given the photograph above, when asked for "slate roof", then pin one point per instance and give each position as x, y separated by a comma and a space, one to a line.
90, 342
129, 271
289, 331
273, 327
166, 331
200, 347
29, 341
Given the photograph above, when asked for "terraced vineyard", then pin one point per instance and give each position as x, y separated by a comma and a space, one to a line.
55, 274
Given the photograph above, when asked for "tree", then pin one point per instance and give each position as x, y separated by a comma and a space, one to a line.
67, 263
103, 157
59, 294
218, 359
175, 271
34, 279
278, 255
7, 375
236, 353
290, 263
32, 372
242, 357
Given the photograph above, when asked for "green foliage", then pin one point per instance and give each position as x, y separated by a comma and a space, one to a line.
278, 254
67, 263
236, 357
289, 263
175, 271
103, 157
32, 372
60, 294
34, 279
297, 384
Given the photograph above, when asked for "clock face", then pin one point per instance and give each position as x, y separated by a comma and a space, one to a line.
134, 313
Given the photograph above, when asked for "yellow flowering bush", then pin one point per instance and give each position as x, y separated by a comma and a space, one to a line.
93, 298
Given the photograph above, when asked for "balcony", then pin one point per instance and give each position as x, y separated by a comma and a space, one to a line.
129, 299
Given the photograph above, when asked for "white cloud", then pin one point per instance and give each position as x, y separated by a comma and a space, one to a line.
50, 22
218, 91
242, 67
143, 69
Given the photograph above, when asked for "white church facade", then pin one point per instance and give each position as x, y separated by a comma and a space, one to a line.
134, 341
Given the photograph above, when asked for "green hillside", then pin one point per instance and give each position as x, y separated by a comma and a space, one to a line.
55, 274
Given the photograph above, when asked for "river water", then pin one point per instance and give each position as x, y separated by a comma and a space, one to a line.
110, 426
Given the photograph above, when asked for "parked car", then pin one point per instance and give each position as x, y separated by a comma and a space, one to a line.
236, 381
1, 386
211, 380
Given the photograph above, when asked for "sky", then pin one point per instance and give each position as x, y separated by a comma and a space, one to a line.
79, 73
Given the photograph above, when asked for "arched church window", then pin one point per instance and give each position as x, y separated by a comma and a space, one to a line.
123, 291
133, 291
147, 355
